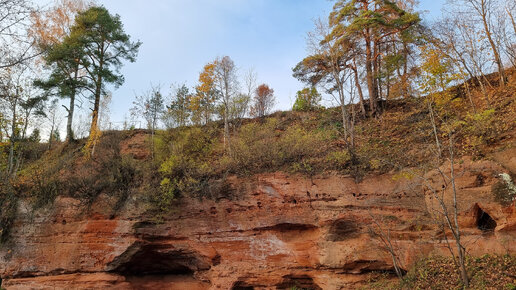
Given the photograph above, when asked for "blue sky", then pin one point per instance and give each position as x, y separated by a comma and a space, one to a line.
180, 36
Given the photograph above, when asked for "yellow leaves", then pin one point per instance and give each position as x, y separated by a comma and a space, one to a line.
202, 101
375, 164
207, 78
51, 26
406, 175
436, 75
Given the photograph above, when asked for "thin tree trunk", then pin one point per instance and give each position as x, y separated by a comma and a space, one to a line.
69, 121
460, 248
376, 81
51, 136
71, 108
376, 67
512, 20
227, 143
468, 92
344, 113
385, 239
498, 59
404, 78
370, 77
434, 127
359, 89
12, 142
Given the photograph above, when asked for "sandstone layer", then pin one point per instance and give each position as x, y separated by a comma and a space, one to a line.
269, 231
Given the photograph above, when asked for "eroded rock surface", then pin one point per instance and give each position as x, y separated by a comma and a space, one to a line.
276, 231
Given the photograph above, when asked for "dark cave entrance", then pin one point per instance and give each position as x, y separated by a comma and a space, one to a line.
240, 285
298, 282
484, 221
151, 259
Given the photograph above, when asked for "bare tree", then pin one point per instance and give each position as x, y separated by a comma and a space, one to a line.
330, 66
81, 126
226, 82
449, 213
15, 43
18, 102
150, 106
250, 81
383, 234
482, 11
53, 117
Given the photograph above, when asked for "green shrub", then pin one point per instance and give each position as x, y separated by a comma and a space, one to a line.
479, 129
307, 99
65, 171
339, 160
262, 147
188, 163
107, 171
40, 180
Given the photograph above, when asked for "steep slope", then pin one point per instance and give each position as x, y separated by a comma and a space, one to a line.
289, 207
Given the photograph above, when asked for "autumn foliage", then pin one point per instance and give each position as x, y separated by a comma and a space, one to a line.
202, 103
263, 101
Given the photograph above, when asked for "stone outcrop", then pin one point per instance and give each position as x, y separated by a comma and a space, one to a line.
269, 231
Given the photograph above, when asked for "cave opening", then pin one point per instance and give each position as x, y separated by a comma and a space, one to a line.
241, 285
151, 260
484, 221
298, 282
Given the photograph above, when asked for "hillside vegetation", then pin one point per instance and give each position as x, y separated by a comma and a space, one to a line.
190, 161
409, 98
487, 272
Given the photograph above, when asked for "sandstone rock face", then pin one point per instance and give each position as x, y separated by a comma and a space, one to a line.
276, 231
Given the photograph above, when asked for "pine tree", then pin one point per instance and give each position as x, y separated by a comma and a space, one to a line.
105, 45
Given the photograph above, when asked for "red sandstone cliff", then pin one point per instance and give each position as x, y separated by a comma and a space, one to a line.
280, 231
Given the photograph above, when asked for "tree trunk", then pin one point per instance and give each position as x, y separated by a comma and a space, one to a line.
227, 143
376, 68
376, 73
404, 79
460, 248
50, 138
343, 111
96, 106
434, 128
94, 129
13, 138
359, 89
370, 77
69, 122
498, 59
